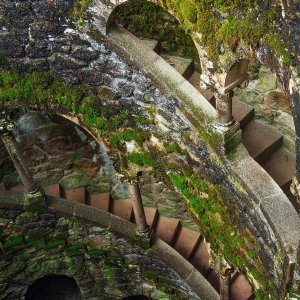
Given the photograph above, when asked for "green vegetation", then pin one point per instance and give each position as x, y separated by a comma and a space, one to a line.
136, 134
79, 9
148, 20
216, 216
143, 159
173, 147
42, 88
94, 252
55, 244
12, 243
38, 244
75, 249
230, 23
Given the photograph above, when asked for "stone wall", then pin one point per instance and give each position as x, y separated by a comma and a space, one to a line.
268, 98
42, 36
104, 264
57, 151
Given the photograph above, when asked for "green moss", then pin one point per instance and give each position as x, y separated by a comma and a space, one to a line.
148, 20
188, 11
55, 244
79, 9
96, 252
173, 147
38, 244
4, 63
13, 242
149, 275
138, 135
142, 159
231, 154
218, 223
229, 23
75, 249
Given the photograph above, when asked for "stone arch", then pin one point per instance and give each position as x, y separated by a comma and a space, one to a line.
53, 287
192, 35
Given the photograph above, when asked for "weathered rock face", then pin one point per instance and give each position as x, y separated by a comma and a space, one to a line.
102, 263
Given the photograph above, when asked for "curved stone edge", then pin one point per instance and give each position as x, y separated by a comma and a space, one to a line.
186, 270
273, 204
125, 228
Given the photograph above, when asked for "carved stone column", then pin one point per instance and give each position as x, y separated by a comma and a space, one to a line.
224, 108
225, 126
6, 127
225, 279
138, 208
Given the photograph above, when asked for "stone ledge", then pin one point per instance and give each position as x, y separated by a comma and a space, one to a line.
12, 200
159, 248
274, 204
185, 270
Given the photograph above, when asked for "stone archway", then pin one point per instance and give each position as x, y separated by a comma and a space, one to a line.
54, 287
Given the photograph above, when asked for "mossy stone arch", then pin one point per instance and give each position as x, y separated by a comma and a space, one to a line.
185, 39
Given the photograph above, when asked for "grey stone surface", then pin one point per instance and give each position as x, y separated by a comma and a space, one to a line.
55, 242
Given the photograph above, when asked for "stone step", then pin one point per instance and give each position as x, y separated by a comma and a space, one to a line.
53, 190
207, 94
200, 258
240, 288
187, 242
242, 112
184, 66
260, 140
17, 189
122, 209
167, 229
281, 166
152, 216
76, 195
102, 201
152, 44
214, 279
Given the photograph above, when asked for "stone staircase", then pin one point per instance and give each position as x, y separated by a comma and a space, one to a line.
187, 243
262, 141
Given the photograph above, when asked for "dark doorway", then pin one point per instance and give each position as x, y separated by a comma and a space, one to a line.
54, 287
137, 297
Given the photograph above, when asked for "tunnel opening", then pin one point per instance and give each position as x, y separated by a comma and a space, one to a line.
54, 287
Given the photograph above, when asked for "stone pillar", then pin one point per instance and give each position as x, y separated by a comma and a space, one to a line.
225, 284
6, 127
225, 126
224, 108
138, 208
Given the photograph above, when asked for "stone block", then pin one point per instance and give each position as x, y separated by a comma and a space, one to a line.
122, 226
92, 214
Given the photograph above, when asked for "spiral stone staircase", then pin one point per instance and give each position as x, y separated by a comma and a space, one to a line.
189, 244
263, 142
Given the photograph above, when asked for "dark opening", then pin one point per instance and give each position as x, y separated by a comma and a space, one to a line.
54, 287
137, 297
